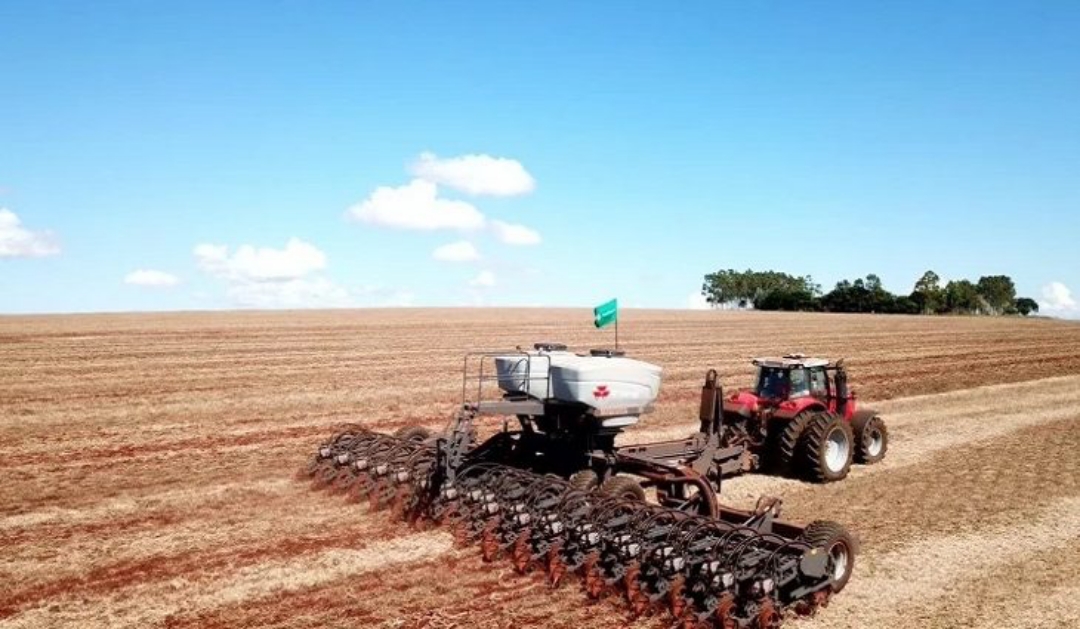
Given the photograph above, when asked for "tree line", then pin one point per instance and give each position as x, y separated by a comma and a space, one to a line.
773, 290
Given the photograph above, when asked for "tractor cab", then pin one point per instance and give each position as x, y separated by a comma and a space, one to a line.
791, 377
794, 377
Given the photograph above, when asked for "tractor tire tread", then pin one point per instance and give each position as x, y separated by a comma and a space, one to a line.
826, 533
862, 448
624, 487
584, 480
417, 434
813, 446
787, 443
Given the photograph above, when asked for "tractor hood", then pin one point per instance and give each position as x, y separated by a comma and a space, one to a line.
748, 404
744, 403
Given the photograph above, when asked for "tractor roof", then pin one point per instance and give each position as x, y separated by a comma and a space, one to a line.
791, 361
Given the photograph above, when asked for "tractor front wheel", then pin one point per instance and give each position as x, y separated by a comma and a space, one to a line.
827, 448
871, 439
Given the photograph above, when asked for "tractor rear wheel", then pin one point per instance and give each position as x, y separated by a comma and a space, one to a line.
871, 439
415, 434
834, 539
786, 446
623, 487
827, 448
584, 480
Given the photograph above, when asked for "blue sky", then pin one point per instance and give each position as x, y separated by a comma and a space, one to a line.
229, 149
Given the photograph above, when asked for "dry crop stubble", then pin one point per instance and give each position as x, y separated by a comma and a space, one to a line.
134, 439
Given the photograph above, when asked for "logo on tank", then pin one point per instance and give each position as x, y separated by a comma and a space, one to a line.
601, 391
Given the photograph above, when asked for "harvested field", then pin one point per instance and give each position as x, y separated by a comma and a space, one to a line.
149, 458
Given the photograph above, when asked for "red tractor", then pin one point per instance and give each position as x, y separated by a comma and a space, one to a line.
800, 419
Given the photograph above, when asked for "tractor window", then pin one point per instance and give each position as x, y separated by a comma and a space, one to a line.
818, 384
800, 384
772, 383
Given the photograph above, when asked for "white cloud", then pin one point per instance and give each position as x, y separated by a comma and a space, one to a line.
515, 234
308, 292
18, 242
697, 301
249, 263
150, 277
461, 251
415, 205
476, 174
1057, 298
486, 279
264, 277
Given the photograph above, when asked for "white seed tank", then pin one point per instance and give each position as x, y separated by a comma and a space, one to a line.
603, 382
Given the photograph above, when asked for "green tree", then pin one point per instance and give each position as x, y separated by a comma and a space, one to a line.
878, 299
1026, 305
775, 290
906, 305
999, 291
716, 288
927, 294
729, 287
962, 297
863, 295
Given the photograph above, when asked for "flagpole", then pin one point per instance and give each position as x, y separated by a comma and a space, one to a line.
605, 314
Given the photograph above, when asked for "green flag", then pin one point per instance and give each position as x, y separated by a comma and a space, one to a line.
606, 313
